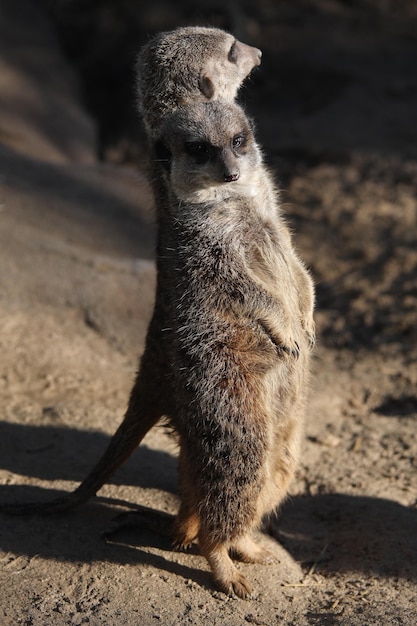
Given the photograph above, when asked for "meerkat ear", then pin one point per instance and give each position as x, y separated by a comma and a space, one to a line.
162, 154
206, 86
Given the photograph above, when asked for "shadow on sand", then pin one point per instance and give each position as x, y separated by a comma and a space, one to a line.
337, 532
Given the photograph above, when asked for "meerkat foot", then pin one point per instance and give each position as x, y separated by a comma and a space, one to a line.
226, 576
182, 543
237, 585
232, 582
247, 550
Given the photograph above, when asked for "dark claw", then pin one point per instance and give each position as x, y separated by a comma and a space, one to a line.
290, 351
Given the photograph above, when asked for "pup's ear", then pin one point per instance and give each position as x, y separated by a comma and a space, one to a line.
206, 86
162, 154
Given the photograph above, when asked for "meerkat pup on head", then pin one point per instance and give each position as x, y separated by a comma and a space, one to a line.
190, 64
238, 339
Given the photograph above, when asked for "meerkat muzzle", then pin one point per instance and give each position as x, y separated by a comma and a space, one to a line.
229, 178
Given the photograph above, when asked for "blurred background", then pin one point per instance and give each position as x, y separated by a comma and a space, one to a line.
336, 74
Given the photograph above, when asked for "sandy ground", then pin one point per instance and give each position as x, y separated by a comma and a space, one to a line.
337, 116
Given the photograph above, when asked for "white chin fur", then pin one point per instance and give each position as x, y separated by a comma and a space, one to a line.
219, 191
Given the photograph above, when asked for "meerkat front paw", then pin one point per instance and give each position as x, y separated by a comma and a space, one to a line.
286, 347
289, 348
282, 340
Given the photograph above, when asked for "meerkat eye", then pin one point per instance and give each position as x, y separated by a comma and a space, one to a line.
198, 150
238, 141
232, 56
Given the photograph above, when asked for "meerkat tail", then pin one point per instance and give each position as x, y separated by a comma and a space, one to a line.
125, 440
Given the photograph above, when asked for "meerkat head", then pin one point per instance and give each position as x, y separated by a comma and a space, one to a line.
209, 152
225, 66
187, 65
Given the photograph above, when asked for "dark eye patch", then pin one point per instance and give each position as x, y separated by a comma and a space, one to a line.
199, 150
232, 56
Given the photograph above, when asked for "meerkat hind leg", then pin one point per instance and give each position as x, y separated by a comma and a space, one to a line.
186, 528
246, 549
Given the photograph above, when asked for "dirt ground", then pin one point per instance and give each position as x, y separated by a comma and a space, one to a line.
336, 107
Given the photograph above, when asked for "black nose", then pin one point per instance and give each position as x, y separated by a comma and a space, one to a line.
229, 178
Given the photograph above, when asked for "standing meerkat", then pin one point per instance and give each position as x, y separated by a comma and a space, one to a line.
174, 68
238, 335
227, 351
234, 331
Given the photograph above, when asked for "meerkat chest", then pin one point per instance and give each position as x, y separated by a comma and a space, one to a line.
235, 235
265, 249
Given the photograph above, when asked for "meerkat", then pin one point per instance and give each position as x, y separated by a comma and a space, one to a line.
227, 352
238, 340
232, 336
188, 65
174, 68
238, 335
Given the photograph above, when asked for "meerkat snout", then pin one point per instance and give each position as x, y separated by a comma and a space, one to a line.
242, 50
258, 56
229, 165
